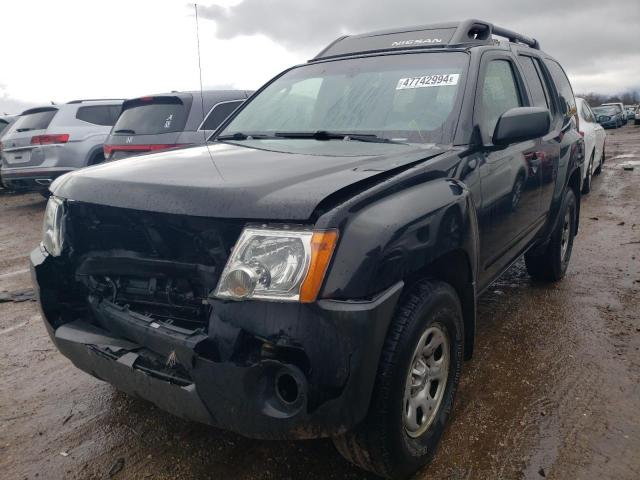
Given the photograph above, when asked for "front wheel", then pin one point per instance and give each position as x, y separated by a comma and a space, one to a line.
415, 386
551, 265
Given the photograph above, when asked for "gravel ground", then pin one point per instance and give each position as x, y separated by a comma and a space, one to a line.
553, 390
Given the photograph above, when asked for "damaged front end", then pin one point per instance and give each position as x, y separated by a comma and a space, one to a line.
128, 296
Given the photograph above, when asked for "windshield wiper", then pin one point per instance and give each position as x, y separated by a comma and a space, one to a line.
243, 136
327, 135
125, 130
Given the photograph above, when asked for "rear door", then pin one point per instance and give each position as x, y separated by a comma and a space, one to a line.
546, 156
147, 124
18, 149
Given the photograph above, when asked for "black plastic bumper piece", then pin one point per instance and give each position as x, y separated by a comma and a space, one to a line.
321, 386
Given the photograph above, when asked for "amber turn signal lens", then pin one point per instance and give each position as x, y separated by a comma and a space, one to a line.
322, 246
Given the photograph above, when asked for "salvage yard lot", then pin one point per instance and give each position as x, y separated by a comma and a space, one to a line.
553, 390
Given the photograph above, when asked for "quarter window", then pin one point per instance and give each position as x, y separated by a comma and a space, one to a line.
99, 114
218, 114
499, 94
567, 101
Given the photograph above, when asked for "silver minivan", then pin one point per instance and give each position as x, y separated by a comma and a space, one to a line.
49, 141
169, 120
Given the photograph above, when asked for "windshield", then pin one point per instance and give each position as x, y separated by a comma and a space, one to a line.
411, 98
606, 110
150, 116
614, 106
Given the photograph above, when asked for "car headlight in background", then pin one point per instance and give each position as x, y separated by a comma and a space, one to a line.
277, 264
53, 226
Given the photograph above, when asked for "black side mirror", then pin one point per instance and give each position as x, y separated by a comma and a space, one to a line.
520, 124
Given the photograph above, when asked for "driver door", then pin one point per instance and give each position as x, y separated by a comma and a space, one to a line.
510, 178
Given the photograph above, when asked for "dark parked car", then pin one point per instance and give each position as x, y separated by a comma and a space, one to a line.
169, 120
314, 271
609, 116
5, 122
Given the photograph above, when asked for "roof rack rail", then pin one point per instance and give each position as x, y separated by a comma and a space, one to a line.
94, 100
439, 35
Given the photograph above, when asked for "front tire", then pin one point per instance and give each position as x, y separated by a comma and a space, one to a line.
415, 386
551, 265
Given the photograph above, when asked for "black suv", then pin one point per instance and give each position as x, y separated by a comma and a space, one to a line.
313, 271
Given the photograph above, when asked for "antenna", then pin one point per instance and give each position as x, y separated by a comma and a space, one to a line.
195, 6
204, 133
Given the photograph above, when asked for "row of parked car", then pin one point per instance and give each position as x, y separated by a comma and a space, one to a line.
43, 143
615, 115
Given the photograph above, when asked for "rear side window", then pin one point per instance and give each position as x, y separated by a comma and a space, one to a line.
567, 101
218, 114
499, 94
534, 81
3, 125
151, 116
34, 120
587, 114
99, 114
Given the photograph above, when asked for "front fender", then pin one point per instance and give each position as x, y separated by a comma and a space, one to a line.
398, 235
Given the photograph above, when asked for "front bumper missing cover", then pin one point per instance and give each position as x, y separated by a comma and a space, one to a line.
314, 380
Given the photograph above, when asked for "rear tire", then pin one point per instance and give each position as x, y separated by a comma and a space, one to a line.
586, 185
96, 159
598, 170
407, 414
551, 265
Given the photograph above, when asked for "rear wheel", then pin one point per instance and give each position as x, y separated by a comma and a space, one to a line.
96, 159
598, 170
417, 378
586, 185
551, 265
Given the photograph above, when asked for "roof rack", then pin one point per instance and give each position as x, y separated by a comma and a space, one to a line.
94, 100
452, 34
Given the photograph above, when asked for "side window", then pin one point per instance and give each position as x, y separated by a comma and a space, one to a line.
114, 113
96, 114
499, 94
586, 113
567, 101
218, 114
534, 81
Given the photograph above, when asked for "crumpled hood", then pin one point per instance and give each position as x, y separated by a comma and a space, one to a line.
230, 180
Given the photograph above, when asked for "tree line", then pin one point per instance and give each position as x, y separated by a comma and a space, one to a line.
628, 98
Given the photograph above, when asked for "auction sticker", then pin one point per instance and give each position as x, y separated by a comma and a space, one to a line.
428, 81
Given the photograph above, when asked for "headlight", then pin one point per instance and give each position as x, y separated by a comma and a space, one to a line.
53, 227
277, 264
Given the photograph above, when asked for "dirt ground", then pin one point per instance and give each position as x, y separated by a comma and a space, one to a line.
553, 390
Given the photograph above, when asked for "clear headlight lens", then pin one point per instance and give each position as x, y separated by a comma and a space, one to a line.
277, 264
53, 227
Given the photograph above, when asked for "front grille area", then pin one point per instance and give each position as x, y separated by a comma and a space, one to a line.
160, 265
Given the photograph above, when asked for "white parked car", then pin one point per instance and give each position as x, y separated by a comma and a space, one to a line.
594, 140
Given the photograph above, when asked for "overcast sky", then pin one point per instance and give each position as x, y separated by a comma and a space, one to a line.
66, 49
